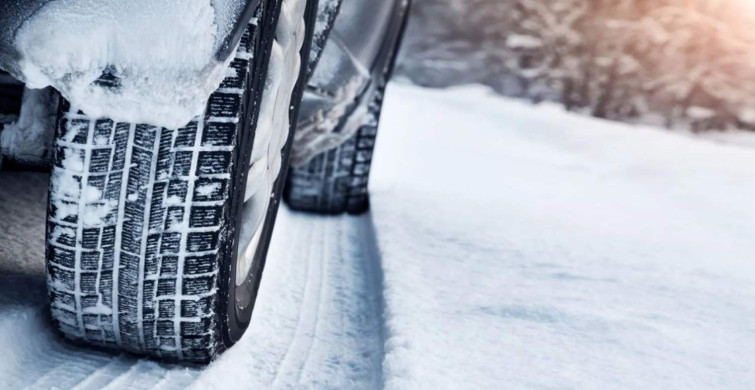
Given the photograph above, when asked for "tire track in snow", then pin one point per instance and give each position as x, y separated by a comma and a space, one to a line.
317, 324
297, 354
348, 332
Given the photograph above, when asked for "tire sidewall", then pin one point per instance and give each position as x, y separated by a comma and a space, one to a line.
235, 319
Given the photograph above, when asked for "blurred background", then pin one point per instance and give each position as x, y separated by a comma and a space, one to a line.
685, 64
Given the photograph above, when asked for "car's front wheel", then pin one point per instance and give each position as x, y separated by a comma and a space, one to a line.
157, 238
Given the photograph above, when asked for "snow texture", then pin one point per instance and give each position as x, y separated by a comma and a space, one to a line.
510, 246
528, 248
156, 75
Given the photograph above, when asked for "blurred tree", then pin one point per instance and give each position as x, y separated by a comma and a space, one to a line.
678, 62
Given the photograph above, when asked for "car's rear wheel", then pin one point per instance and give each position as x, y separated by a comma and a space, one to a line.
157, 238
335, 178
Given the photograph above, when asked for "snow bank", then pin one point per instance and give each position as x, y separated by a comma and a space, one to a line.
524, 247
162, 54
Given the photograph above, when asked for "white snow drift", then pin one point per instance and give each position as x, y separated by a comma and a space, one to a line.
163, 52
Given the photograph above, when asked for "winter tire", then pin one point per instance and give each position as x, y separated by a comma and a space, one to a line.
336, 180
148, 228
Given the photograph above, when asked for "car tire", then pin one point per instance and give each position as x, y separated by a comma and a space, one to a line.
336, 181
145, 224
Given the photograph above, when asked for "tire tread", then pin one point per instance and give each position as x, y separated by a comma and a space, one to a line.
143, 278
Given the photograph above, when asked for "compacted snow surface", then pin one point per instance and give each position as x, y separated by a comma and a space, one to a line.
509, 246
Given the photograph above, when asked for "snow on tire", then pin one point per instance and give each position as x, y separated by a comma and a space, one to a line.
143, 222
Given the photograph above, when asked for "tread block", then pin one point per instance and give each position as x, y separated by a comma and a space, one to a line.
205, 216
167, 309
63, 235
121, 138
88, 282
90, 238
186, 136
60, 298
210, 163
182, 164
62, 257
108, 236
175, 218
103, 131
236, 74
219, 134
210, 190
65, 316
199, 285
171, 243
196, 265
100, 160
196, 308
90, 260
224, 105
177, 191
64, 279
144, 137
165, 328
196, 328
113, 188
166, 287
196, 342
169, 266
202, 241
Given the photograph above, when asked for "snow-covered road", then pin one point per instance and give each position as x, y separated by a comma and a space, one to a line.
509, 246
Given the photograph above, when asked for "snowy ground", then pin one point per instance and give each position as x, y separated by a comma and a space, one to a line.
509, 247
